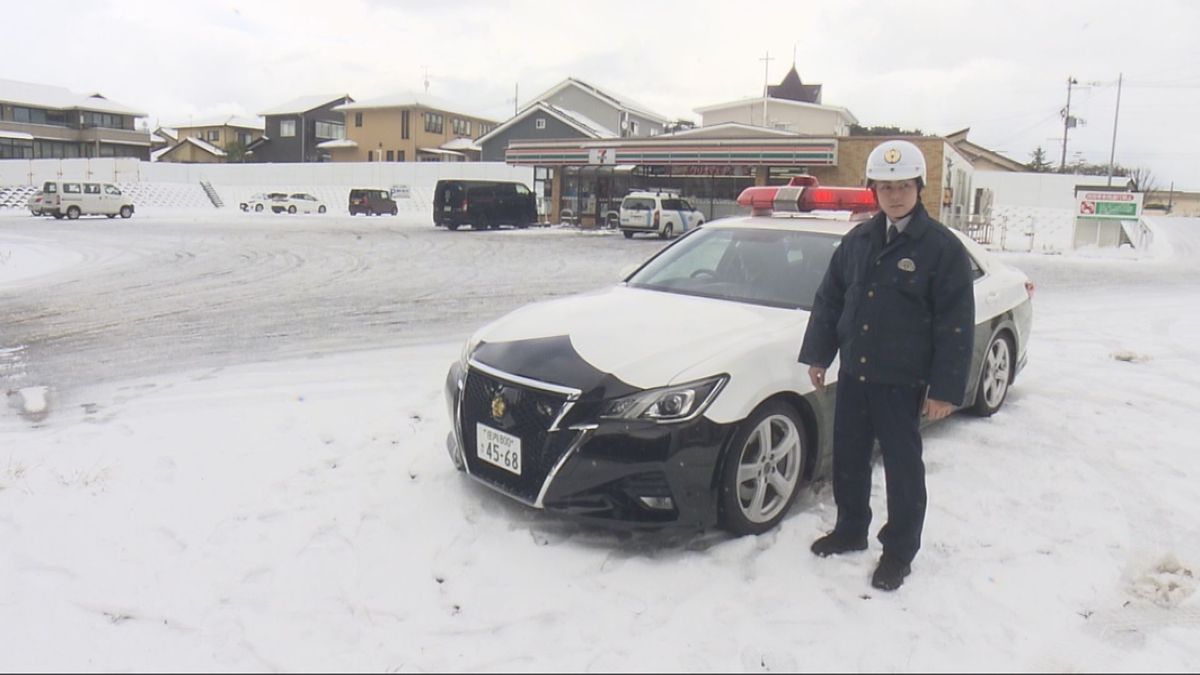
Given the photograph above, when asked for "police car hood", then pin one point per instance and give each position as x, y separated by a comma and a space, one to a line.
637, 337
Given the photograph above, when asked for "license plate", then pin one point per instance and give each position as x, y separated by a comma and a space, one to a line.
498, 448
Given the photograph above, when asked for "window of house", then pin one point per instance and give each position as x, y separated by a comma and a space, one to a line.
330, 130
214, 135
391, 156
358, 119
244, 137
462, 127
540, 123
370, 155
403, 124
287, 128
434, 123
633, 128
399, 155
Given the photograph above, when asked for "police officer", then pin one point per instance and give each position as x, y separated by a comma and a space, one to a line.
897, 303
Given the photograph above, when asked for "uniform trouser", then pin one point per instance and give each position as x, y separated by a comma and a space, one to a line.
891, 413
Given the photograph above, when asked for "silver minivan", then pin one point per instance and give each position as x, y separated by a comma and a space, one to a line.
74, 198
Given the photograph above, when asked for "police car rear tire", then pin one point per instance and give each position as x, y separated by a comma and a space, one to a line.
762, 470
667, 231
995, 375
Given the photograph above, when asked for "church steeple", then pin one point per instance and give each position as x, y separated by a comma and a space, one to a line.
792, 89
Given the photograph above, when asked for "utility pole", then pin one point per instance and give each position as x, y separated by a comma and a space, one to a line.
1068, 122
766, 66
1112, 153
516, 97
426, 79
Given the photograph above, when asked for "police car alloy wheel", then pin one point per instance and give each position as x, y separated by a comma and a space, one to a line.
994, 378
762, 471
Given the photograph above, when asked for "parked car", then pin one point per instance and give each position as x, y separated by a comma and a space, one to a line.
35, 203
675, 397
72, 198
661, 213
371, 202
262, 201
297, 202
483, 204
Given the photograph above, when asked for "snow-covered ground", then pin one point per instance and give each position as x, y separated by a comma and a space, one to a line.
303, 515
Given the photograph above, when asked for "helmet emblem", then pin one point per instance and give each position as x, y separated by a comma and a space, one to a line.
891, 156
499, 407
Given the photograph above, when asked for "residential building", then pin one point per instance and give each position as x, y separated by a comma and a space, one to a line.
573, 109
407, 128
222, 139
39, 121
294, 129
982, 158
789, 106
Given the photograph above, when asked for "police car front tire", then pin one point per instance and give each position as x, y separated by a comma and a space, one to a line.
763, 469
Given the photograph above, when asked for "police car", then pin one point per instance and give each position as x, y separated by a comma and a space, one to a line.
675, 397
661, 213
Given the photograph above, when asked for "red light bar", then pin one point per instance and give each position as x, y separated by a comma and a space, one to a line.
764, 200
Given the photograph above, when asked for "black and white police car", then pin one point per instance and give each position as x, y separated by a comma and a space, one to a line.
675, 398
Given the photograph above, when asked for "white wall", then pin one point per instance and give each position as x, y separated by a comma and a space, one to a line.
799, 119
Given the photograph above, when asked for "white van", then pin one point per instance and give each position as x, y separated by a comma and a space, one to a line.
661, 213
74, 198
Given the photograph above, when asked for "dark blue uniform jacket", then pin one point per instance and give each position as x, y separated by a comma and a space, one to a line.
901, 314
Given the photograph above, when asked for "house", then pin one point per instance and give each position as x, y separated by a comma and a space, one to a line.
406, 128
293, 130
40, 121
573, 109
981, 158
789, 106
217, 139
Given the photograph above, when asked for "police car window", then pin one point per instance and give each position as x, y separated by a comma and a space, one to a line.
91, 188
71, 188
522, 190
638, 204
779, 268
50, 188
672, 204
111, 190
976, 270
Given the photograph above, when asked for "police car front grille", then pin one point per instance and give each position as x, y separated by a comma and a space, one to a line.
528, 414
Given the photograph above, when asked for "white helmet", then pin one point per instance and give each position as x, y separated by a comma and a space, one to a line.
896, 160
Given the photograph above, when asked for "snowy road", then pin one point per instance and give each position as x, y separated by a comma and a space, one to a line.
145, 295
209, 503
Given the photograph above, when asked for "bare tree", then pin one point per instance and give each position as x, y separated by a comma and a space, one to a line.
1143, 180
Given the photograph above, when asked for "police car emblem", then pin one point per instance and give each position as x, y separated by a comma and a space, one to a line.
499, 407
891, 156
907, 265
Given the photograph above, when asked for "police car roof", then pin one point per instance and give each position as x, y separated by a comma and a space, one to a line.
831, 223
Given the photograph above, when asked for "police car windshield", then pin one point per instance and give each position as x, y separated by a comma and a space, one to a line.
778, 268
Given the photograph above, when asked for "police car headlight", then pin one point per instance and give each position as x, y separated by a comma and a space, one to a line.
667, 404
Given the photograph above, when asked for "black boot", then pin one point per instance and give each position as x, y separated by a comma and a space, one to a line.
890, 574
836, 543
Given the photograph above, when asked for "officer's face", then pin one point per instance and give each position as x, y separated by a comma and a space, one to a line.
896, 197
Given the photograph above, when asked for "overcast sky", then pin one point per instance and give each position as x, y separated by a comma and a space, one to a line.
1000, 68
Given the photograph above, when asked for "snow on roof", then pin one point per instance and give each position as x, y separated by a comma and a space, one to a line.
460, 144
436, 151
409, 100
613, 98
777, 101
730, 129
203, 145
223, 121
595, 127
59, 98
16, 135
304, 104
337, 143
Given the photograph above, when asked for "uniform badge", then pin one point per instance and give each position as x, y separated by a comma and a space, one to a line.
907, 265
499, 407
891, 156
